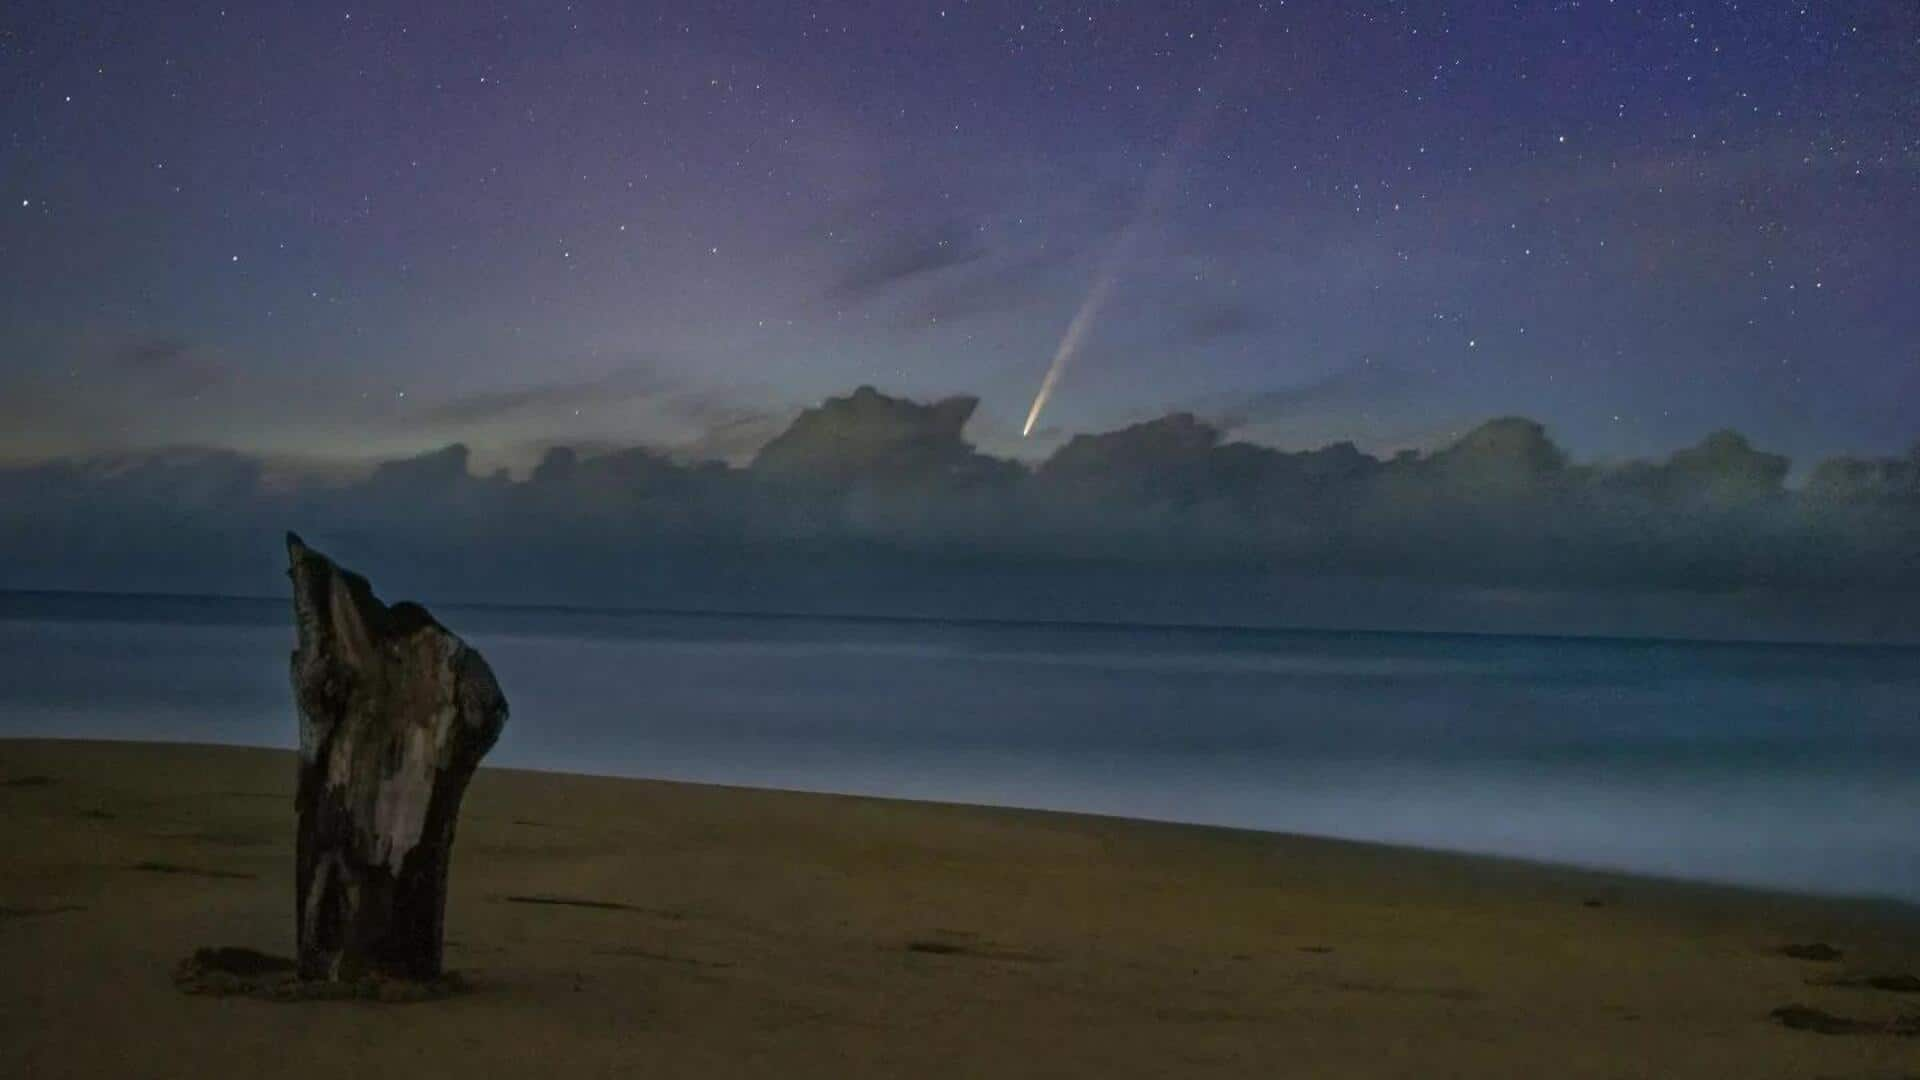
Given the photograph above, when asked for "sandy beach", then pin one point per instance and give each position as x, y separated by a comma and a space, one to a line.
625, 927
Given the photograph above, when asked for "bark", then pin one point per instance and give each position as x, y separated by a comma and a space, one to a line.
395, 715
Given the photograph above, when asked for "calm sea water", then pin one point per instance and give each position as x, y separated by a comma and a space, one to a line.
1792, 766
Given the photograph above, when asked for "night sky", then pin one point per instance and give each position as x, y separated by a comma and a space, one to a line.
329, 232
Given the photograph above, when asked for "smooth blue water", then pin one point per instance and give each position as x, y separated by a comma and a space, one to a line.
1794, 766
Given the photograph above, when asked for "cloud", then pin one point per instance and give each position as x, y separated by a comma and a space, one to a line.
1216, 320
1004, 283
488, 406
868, 436
904, 256
168, 366
867, 499
726, 429
724, 424
1365, 382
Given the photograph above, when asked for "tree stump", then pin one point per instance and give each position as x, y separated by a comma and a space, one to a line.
395, 715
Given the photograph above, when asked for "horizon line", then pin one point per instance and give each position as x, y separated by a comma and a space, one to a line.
1089, 625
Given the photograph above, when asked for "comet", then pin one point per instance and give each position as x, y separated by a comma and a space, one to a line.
1152, 195
1082, 319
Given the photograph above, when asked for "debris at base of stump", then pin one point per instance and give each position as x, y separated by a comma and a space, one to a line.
231, 971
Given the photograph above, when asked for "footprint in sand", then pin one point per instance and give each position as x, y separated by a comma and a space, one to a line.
949, 945
153, 867
1818, 951
9, 912
1822, 1022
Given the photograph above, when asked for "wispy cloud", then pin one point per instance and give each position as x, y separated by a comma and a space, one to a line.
168, 366
1216, 320
1367, 381
489, 406
906, 255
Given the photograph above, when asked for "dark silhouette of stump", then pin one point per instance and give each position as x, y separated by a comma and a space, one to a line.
395, 715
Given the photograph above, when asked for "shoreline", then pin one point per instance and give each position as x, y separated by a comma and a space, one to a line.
1896, 907
696, 929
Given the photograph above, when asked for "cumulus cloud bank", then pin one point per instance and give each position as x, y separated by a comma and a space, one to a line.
870, 503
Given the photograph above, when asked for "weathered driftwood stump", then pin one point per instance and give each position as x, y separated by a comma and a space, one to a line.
395, 714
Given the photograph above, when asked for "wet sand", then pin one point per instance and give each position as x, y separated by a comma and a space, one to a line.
625, 927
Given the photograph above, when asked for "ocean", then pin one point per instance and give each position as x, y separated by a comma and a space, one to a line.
1777, 765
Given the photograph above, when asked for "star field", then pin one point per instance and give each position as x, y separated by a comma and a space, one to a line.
334, 232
